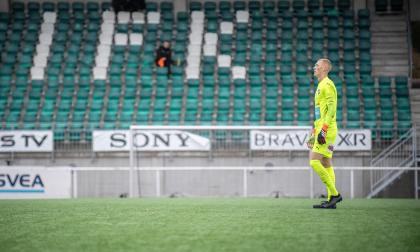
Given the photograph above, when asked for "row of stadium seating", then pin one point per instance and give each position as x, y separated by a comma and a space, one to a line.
208, 6
281, 5
113, 105
277, 49
76, 6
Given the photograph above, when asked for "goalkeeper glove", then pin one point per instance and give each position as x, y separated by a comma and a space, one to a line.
322, 134
311, 140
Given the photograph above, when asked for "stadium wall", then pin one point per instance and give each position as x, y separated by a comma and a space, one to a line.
401, 188
212, 183
94, 181
97, 183
112, 182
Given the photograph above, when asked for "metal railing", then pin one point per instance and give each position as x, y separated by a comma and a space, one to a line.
401, 153
75, 142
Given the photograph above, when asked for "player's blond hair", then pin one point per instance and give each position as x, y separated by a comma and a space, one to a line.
325, 60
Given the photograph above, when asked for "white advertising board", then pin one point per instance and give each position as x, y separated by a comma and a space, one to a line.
26, 141
149, 140
34, 183
286, 140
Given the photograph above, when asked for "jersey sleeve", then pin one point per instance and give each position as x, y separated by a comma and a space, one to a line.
330, 98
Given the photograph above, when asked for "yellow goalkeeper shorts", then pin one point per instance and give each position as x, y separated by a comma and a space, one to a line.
325, 149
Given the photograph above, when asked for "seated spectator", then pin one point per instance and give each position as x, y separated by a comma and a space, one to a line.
164, 55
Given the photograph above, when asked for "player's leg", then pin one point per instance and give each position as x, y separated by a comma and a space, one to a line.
327, 150
324, 153
332, 198
327, 163
316, 164
318, 155
326, 173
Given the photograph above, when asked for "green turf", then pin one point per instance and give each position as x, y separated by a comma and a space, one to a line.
208, 225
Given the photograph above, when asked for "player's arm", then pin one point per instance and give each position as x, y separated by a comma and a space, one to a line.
331, 102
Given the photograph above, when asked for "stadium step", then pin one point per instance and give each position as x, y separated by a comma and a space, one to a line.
390, 48
389, 45
397, 60
389, 18
390, 70
381, 38
388, 26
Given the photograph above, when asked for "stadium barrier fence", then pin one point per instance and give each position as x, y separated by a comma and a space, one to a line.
243, 174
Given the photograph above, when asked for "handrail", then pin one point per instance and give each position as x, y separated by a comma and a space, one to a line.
388, 151
407, 145
401, 167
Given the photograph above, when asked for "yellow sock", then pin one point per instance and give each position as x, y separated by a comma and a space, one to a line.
330, 171
324, 176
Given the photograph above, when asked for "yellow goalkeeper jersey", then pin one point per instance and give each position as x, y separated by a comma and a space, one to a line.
326, 104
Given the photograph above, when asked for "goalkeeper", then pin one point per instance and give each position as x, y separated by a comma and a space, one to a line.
324, 133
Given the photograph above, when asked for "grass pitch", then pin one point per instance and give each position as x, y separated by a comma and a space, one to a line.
208, 225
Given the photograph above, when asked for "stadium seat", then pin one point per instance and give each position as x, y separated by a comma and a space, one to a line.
226, 28
397, 5
153, 17
242, 16
283, 5
238, 72
344, 5
381, 5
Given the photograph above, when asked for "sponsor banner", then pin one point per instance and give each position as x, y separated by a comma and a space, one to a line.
110, 140
354, 140
26, 141
34, 183
149, 140
347, 140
